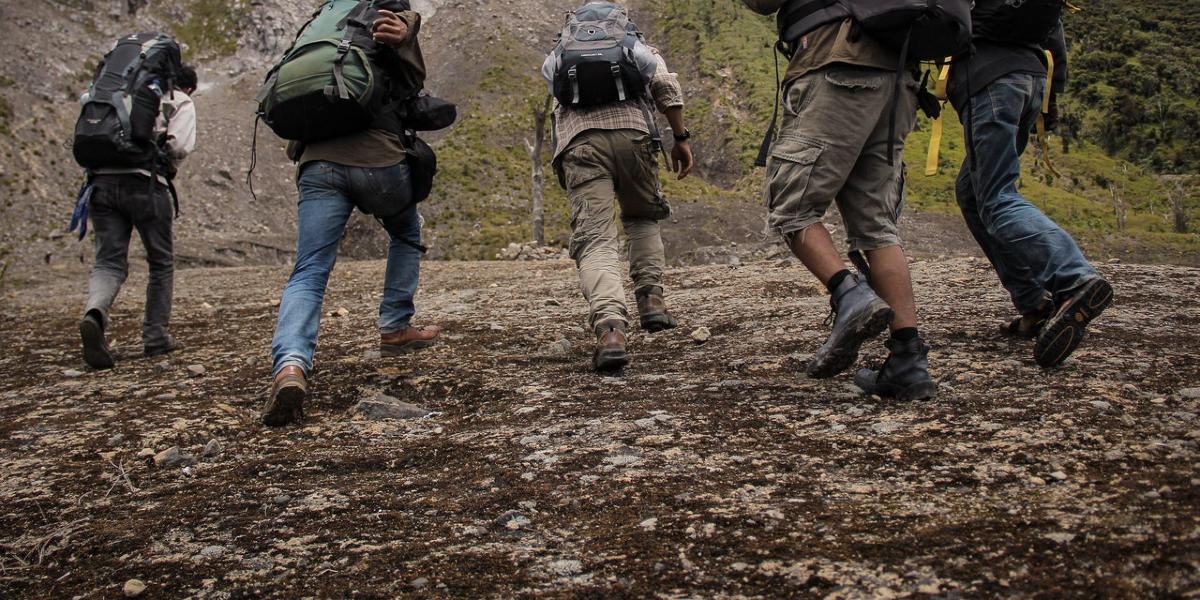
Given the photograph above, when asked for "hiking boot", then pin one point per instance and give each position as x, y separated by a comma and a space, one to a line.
1065, 330
903, 376
286, 402
407, 340
610, 352
652, 310
170, 346
861, 315
96, 352
1029, 325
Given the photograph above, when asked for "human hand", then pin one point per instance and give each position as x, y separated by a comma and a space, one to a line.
389, 28
681, 159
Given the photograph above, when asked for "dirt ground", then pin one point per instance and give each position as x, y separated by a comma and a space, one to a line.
706, 470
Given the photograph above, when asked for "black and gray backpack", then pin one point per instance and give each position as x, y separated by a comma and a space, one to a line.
1017, 21
919, 29
116, 126
594, 57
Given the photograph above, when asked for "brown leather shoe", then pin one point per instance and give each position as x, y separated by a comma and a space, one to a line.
610, 352
407, 340
286, 403
652, 310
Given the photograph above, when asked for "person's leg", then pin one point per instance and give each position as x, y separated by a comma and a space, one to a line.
1032, 253
323, 210
829, 117
593, 244
154, 227
639, 192
111, 229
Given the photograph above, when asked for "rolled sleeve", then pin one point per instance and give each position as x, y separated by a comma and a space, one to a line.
664, 87
181, 130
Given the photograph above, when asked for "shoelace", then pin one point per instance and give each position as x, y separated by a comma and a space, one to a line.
829, 318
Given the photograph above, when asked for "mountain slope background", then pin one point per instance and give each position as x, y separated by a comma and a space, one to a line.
1124, 165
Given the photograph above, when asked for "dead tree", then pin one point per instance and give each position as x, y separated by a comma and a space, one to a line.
535, 156
1118, 207
1179, 207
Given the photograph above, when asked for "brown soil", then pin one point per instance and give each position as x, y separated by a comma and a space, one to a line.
709, 470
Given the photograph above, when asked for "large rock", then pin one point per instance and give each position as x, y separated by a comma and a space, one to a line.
382, 406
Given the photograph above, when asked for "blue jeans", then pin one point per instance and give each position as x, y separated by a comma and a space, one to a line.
1033, 256
329, 192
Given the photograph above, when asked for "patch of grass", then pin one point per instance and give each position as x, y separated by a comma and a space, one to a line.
211, 29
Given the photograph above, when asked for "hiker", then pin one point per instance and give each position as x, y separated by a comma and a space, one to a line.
606, 152
131, 187
999, 94
361, 165
849, 102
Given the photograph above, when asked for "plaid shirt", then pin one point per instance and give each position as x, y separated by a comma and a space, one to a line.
570, 122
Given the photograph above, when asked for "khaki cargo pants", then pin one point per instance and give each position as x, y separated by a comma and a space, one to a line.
833, 146
601, 168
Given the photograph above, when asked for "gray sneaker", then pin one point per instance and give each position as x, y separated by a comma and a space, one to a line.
861, 315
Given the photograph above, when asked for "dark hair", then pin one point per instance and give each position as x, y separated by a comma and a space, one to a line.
187, 78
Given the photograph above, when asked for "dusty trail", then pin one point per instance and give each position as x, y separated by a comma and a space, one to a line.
706, 470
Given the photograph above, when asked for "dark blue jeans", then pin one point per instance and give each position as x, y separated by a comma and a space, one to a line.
329, 192
1032, 255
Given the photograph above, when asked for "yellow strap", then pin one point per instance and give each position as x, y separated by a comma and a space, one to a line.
1043, 141
935, 137
935, 145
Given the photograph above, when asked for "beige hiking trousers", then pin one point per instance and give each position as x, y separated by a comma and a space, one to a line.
601, 168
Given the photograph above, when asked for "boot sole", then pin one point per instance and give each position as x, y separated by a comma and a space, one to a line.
840, 359
925, 390
610, 361
656, 323
94, 352
286, 407
390, 350
1061, 336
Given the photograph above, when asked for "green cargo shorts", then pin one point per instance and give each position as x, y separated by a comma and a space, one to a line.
833, 146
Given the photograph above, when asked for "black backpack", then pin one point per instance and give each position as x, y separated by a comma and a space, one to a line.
919, 29
115, 128
594, 57
1021, 22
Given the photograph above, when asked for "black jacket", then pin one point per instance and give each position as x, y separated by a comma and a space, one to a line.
993, 60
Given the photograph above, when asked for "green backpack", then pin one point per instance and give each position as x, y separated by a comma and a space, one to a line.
335, 79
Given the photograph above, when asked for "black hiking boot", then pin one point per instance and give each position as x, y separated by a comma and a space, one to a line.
96, 352
903, 376
861, 315
167, 347
610, 355
652, 310
1063, 332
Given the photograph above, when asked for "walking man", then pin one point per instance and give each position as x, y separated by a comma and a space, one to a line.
125, 198
605, 154
834, 145
999, 95
367, 170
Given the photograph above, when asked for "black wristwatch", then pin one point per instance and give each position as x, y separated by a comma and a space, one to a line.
682, 137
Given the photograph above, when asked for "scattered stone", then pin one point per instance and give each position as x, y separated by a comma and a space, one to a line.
382, 406
701, 335
512, 520
562, 346
133, 588
116, 440
649, 524
1190, 393
886, 427
565, 567
1035, 480
860, 488
166, 397
145, 453
419, 583
1059, 475
623, 457
196, 370
212, 551
1100, 404
212, 449
282, 499
172, 457
72, 373
1060, 537
341, 312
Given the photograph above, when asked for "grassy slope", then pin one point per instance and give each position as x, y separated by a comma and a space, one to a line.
727, 47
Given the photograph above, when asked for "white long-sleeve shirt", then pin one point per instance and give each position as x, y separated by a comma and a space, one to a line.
177, 119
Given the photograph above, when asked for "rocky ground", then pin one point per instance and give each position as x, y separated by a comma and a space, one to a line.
707, 469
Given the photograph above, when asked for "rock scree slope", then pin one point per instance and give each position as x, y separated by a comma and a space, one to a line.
708, 469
